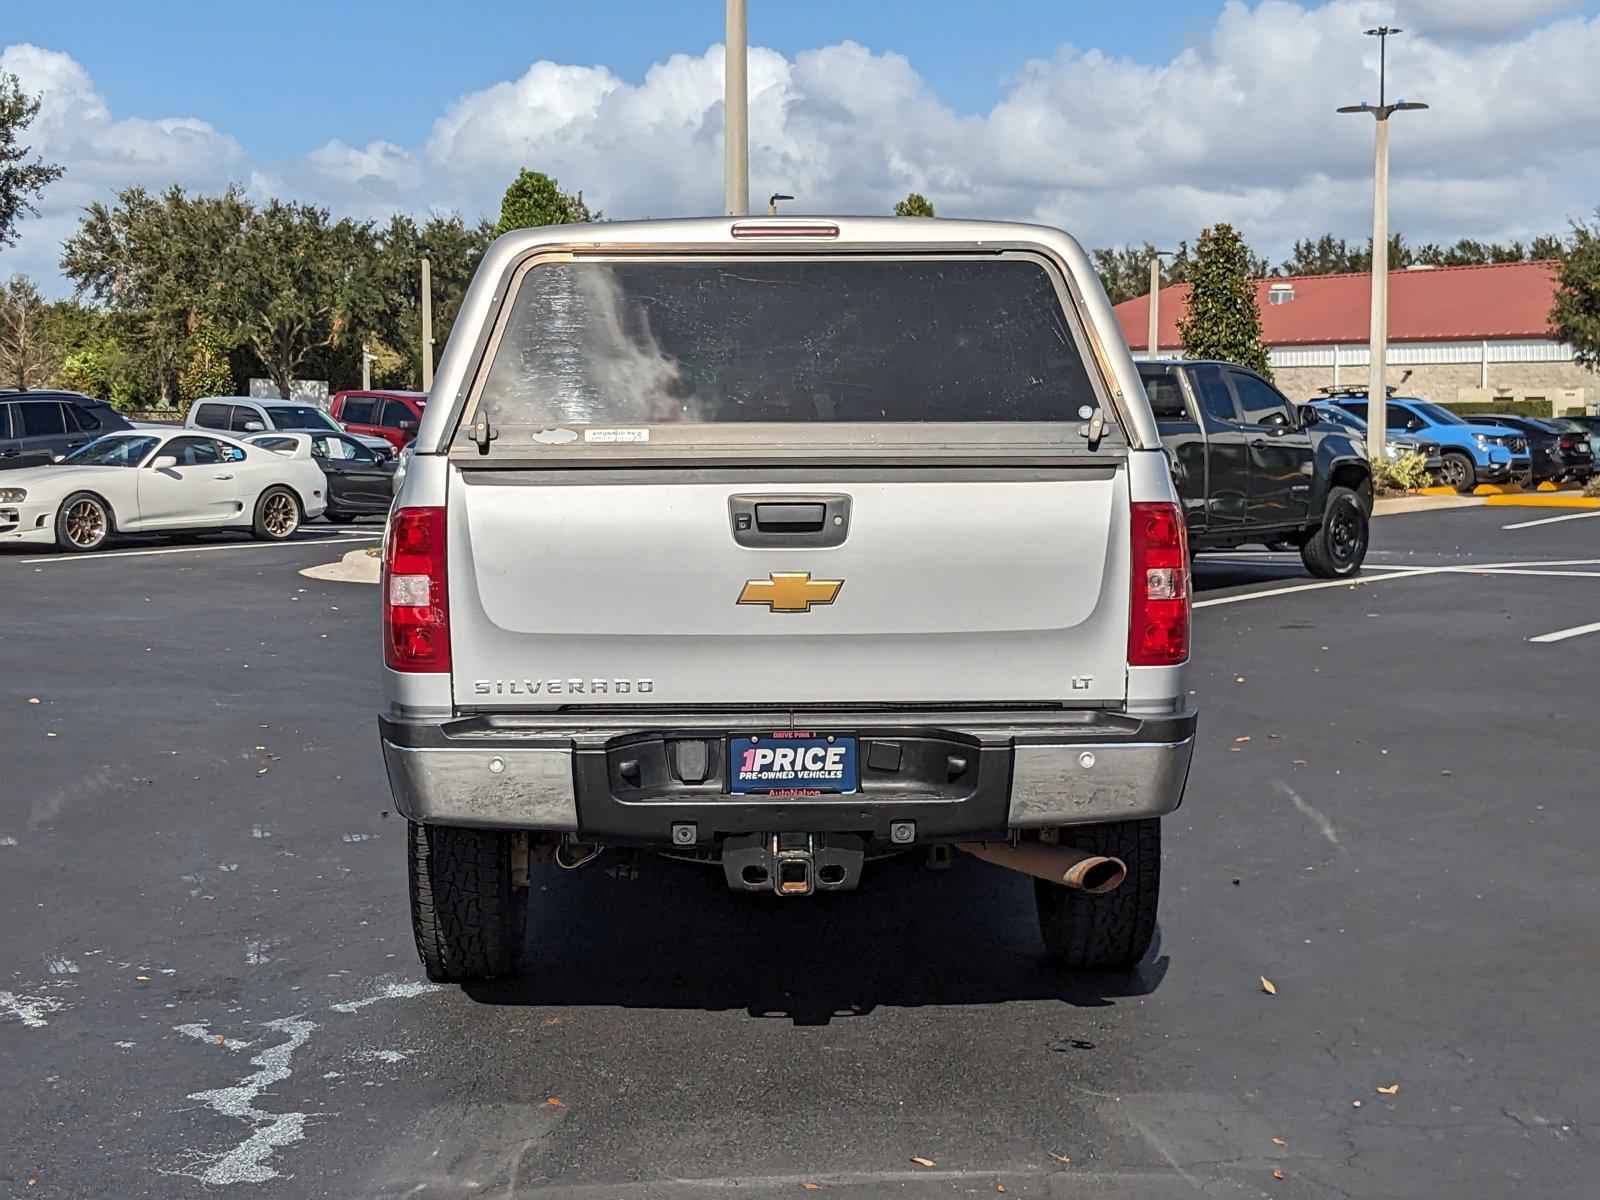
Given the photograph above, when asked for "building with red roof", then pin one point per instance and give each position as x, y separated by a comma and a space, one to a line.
1455, 333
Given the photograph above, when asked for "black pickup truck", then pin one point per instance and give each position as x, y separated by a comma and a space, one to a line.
1252, 466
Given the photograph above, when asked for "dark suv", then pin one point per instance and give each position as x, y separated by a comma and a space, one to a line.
37, 427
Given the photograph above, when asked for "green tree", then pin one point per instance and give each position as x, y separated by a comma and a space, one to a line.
536, 199
23, 176
159, 265
206, 372
27, 356
392, 289
1327, 255
914, 205
1125, 270
293, 286
1223, 320
1575, 315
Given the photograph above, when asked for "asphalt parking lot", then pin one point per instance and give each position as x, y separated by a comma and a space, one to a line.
209, 984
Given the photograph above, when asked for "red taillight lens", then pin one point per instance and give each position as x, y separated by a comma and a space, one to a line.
1568, 444
1158, 625
416, 612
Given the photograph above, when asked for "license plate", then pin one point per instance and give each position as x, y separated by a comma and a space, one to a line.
792, 764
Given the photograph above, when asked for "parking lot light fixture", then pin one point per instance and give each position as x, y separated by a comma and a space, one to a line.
1378, 336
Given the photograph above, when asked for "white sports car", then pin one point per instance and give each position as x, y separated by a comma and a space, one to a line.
145, 481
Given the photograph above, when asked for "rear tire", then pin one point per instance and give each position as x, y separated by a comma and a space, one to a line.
340, 518
1339, 546
1459, 472
1110, 932
466, 913
278, 515
83, 522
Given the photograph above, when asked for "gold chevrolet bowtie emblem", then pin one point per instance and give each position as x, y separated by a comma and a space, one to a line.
790, 591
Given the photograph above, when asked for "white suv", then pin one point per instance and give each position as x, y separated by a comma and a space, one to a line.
244, 415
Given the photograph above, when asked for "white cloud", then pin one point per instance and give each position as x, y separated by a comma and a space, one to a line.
1238, 126
1478, 18
102, 154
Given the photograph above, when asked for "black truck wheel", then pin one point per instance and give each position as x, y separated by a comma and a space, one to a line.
1339, 545
1113, 931
466, 910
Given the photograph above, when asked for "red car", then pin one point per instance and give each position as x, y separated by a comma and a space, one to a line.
391, 415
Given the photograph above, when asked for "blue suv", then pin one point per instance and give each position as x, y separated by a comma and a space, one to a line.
1472, 454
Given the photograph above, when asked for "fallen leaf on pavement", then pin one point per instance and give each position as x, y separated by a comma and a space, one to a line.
1238, 678
1268, 986
811, 1187
1299, 762
922, 1162
556, 1102
1277, 1174
33, 699
1355, 1104
1390, 1090
142, 978
1447, 772
220, 1040
1245, 738
1279, 1142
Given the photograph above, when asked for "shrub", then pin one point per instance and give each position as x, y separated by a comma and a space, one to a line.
1405, 472
1592, 488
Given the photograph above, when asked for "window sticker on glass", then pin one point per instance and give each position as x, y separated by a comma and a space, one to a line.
616, 435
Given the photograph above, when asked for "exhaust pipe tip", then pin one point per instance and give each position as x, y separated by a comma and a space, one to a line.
1097, 875
1065, 866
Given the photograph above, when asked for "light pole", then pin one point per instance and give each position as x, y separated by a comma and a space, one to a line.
736, 113
1155, 300
367, 359
427, 322
1378, 335
772, 203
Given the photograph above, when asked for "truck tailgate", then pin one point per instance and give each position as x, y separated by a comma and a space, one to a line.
955, 587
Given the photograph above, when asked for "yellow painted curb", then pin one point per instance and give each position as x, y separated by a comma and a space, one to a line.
1546, 500
1497, 489
1436, 490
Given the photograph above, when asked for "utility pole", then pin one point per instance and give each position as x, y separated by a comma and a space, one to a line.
1155, 301
736, 113
1378, 335
367, 359
427, 323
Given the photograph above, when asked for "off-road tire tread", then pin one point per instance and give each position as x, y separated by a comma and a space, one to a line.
1315, 554
1110, 932
467, 917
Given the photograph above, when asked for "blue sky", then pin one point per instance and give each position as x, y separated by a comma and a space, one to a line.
304, 71
1120, 122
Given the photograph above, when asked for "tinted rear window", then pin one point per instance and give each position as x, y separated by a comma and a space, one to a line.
790, 341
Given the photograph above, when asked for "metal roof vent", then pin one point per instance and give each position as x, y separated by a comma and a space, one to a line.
1280, 293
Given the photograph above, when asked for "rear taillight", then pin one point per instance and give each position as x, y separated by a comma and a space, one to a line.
416, 612
1158, 625
1568, 444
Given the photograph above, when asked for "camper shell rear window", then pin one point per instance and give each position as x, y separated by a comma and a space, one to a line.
745, 355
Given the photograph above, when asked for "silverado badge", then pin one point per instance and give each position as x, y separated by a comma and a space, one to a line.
790, 591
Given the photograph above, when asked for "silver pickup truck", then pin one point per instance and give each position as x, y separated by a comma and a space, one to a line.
786, 544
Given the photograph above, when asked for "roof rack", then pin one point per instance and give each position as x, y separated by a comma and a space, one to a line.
1351, 389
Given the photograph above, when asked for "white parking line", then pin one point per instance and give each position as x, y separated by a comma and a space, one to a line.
1495, 568
1561, 635
206, 549
1577, 516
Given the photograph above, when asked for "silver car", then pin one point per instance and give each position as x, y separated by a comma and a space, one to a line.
782, 545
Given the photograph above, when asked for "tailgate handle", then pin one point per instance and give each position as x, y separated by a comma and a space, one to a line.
788, 519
